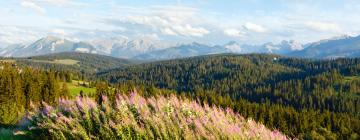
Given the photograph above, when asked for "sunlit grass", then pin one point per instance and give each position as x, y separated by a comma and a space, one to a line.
8, 61
351, 78
58, 61
75, 87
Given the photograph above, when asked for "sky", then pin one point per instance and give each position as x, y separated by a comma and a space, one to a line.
204, 21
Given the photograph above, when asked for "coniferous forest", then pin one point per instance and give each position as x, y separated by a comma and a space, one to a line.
22, 87
301, 98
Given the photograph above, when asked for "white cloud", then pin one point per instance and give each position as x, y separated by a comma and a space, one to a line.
53, 2
165, 20
188, 30
168, 31
153, 21
166, 25
150, 36
59, 3
59, 32
323, 27
234, 33
33, 6
254, 27
14, 35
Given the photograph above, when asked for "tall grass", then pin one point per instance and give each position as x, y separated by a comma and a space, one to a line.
134, 117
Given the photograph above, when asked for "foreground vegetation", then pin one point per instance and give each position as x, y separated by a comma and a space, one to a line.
135, 117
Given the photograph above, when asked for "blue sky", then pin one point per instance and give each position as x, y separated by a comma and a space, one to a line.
205, 21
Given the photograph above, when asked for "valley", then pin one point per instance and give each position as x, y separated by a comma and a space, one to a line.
179, 70
302, 98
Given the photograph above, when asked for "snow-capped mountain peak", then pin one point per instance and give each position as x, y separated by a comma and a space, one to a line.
146, 47
342, 37
292, 45
106, 45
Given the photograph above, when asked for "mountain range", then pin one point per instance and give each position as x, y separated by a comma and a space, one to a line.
146, 48
338, 47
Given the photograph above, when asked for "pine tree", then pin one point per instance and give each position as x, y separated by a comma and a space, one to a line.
65, 93
12, 100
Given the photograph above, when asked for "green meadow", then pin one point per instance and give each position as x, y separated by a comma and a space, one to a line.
76, 86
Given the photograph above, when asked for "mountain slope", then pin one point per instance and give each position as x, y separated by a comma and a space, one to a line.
10, 50
138, 46
116, 47
284, 47
48, 45
333, 48
105, 46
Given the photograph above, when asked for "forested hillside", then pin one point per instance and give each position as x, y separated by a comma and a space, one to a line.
303, 98
22, 87
83, 63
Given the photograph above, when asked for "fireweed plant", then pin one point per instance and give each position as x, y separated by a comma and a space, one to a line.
135, 117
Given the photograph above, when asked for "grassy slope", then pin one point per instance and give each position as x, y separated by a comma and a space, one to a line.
75, 88
58, 61
351, 78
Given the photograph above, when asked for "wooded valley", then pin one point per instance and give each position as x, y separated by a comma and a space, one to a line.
302, 98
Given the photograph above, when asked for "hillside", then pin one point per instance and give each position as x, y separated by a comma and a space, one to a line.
201, 69
136, 117
262, 84
72, 61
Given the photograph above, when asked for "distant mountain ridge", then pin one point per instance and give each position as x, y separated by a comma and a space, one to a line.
48, 45
147, 48
345, 46
181, 51
197, 49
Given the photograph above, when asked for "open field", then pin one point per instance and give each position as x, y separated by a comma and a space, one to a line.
351, 78
57, 61
75, 88
8, 60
